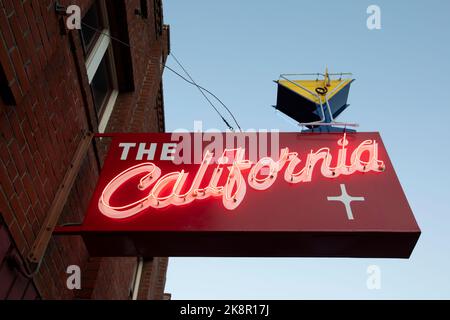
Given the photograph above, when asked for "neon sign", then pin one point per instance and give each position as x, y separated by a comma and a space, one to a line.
262, 175
247, 194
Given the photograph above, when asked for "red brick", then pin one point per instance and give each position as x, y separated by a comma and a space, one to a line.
9, 7
40, 166
5, 60
18, 211
28, 235
19, 35
38, 135
32, 22
36, 227
12, 171
40, 53
46, 276
17, 157
28, 67
41, 26
39, 212
32, 122
20, 14
18, 186
18, 237
16, 90
16, 127
5, 157
5, 181
29, 163
29, 189
20, 111
20, 71
5, 209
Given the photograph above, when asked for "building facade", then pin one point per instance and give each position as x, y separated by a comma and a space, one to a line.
57, 85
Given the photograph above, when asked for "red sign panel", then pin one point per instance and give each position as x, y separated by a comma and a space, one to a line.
248, 194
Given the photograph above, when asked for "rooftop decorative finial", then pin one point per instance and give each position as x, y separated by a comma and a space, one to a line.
327, 82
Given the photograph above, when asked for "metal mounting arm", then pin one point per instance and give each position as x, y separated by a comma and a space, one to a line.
40, 245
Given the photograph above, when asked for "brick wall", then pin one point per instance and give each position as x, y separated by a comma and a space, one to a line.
153, 279
45, 107
14, 283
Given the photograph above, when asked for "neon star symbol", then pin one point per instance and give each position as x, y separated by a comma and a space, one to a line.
346, 199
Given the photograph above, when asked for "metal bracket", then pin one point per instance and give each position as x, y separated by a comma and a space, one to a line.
61, 12
60, 9
37, 252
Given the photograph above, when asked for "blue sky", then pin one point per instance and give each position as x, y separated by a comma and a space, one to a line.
236, 48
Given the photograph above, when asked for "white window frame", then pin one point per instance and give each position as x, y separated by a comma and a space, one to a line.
102, 47
98, 52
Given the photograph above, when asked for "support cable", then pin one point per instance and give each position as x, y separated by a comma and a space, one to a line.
191, 81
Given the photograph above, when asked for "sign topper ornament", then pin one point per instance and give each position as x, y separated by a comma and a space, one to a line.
312, 195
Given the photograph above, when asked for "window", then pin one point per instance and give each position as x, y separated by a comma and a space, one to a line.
100, 64
101, 83
92, 20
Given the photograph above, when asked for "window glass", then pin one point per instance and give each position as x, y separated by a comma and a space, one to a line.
101, 84
93, 20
